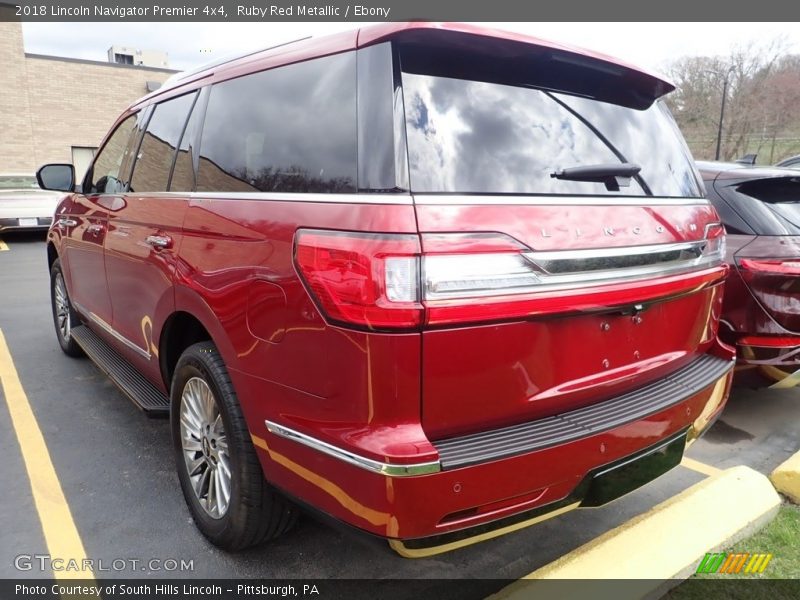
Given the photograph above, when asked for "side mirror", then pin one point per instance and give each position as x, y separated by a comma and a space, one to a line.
56, 177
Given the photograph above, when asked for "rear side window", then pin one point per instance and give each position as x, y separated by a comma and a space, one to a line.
489, 137
289, 129
112, 164
157, 150
771, 206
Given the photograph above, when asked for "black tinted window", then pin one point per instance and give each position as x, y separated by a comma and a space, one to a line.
730, 218
770, 206
183, 172
469, 136
157, 150
290, 129
111, 166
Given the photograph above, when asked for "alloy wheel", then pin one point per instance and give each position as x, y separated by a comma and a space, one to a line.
205, 447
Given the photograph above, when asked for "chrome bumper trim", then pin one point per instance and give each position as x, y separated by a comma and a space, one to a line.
390, 470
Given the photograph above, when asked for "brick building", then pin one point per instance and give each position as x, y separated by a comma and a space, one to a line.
56, 109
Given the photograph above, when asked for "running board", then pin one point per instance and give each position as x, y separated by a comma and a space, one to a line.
141, 392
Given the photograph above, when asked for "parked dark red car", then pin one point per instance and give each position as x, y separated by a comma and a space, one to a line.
436, 281
760, 207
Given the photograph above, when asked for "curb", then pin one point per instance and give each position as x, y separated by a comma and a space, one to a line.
708, 516
786, 478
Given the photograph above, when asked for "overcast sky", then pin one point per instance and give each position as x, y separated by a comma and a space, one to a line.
649, 45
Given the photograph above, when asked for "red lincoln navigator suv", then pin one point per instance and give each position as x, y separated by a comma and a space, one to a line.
433, 280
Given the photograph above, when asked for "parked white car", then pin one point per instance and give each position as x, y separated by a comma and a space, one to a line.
24, 205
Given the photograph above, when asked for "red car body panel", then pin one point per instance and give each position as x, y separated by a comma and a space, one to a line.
83, 239
390, 396
141, 275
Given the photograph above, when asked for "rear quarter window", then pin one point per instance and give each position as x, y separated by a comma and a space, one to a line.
289, 129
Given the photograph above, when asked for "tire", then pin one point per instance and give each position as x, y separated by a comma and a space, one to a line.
210, 436
64, 315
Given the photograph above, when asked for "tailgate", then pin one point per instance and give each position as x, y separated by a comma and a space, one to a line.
609, 332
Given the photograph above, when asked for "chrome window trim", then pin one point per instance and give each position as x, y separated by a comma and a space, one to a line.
382, 468
404, 199
111, 331
552, 200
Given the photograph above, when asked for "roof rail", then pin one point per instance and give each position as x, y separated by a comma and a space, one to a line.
225, 60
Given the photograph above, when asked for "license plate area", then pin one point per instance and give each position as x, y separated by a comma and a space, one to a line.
633, 472
28, 222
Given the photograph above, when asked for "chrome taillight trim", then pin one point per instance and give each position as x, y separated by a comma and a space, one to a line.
590, 264
623, 251
382, 468
614, 267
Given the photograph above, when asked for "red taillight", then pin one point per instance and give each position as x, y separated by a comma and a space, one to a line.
775, 282
773, 267
389, 282
367, 280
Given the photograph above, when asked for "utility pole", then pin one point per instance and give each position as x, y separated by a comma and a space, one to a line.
722, 107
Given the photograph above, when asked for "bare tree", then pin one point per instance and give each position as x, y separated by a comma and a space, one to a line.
763, 90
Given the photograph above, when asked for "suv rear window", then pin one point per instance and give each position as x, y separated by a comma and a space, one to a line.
771, 206
468, 136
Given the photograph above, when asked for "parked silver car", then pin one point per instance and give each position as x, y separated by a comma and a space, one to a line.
24, 205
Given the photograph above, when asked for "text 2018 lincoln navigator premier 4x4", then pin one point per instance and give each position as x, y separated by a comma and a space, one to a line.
432, 280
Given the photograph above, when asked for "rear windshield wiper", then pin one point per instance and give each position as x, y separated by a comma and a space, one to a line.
613, 175
639, 179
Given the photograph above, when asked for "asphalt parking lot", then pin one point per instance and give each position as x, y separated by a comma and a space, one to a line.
115, 467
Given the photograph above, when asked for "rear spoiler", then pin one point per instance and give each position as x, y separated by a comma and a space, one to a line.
468, 52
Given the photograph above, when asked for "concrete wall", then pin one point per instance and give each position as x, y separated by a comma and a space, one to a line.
49, 104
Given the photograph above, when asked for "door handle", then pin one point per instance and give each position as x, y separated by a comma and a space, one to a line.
62, 222
95, 229
159, 241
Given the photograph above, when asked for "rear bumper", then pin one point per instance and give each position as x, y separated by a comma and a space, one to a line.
532, 472
598, 487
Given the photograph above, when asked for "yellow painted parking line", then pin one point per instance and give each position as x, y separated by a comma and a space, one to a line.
60, 533
696, 465
3, 246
